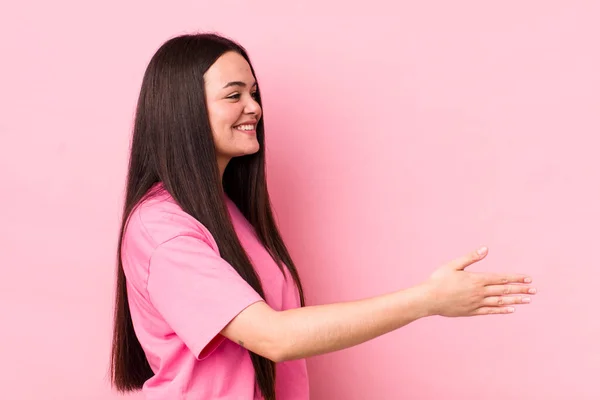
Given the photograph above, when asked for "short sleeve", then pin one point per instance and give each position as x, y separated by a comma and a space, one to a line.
196, 291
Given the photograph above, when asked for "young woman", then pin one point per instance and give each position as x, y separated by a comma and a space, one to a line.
209, 303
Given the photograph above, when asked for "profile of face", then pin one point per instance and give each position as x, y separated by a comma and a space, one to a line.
233, 111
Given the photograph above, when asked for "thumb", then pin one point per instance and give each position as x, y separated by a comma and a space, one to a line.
463, 262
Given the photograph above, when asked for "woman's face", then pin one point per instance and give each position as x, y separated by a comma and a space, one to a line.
232, 108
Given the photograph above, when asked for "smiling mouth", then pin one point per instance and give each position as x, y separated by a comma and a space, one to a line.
246, 128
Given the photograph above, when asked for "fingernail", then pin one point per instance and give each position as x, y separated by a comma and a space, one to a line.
526, 300
532, 290
511, 309
481, 251
527, 280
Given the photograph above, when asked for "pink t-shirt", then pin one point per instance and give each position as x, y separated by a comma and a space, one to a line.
182, 294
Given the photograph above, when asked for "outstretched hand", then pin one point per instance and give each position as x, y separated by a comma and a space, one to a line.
455, 292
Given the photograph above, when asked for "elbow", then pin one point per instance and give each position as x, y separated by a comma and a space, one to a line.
279, 352
275, 349
263, 331
275, 356
277, 345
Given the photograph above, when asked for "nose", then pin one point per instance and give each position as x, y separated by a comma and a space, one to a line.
252, 107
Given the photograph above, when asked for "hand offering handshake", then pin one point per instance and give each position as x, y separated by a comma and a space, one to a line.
455, 292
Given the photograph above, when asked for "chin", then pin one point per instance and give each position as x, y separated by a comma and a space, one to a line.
248, 151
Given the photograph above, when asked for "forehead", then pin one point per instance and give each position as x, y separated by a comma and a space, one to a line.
228, 68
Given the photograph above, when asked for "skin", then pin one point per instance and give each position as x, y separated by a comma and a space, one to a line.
229, 105
450, 291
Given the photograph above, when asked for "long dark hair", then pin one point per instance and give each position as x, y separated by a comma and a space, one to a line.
173, 144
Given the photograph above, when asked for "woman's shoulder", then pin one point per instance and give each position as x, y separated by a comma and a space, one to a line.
158, 218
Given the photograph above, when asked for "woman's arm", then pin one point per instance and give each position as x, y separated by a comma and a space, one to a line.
314, 330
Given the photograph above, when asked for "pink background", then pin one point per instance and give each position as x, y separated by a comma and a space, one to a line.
398, 138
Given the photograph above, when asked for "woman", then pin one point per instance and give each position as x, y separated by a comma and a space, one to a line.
209, 303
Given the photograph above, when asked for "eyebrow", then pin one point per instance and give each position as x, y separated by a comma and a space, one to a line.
236, 83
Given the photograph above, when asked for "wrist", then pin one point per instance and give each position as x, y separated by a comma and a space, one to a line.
426, 300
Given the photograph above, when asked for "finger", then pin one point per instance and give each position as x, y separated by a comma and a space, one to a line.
499, 290
502, 279
461, 263
497, 301
494, 310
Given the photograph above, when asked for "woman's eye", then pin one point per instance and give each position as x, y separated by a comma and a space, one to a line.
237, 96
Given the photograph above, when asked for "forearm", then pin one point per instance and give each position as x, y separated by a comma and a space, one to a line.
314, 330
303, 332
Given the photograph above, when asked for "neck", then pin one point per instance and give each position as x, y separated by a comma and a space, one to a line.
222, 164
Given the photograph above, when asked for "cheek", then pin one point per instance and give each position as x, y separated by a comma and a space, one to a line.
225, 118
219, 122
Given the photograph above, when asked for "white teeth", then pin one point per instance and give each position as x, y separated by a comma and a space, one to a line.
245, 127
